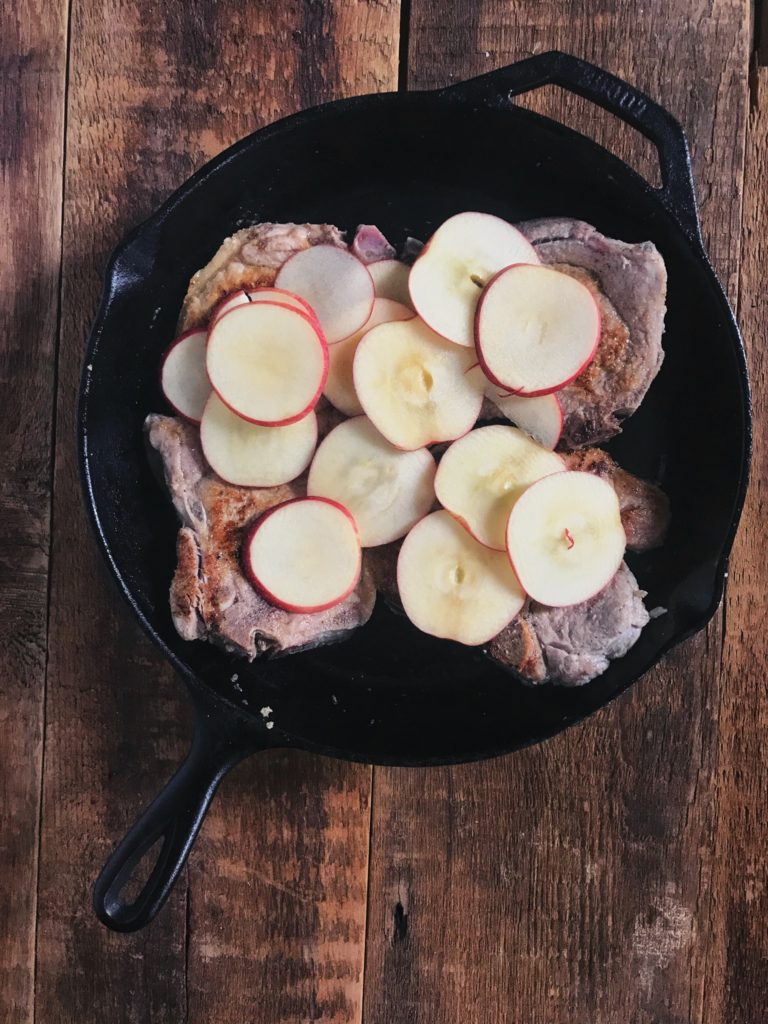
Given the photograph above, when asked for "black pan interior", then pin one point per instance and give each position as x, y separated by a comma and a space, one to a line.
406, 162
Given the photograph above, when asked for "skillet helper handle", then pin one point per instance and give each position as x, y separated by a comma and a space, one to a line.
613, 94
173, 819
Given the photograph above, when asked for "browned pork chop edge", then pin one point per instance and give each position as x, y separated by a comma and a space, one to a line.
644, 506
249, 259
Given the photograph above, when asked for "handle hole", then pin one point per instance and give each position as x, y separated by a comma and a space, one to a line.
606, 129
134, 876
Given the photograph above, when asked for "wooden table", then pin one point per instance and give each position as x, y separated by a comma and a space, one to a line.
615, 874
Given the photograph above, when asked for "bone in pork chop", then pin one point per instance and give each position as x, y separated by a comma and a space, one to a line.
210, 597
629, 282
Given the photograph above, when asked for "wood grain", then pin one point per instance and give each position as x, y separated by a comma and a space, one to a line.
573, 882
617, 873
740, 879
279, 871
278, 882
32, 85
278, 895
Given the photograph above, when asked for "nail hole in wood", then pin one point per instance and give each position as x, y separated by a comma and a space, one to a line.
401, 924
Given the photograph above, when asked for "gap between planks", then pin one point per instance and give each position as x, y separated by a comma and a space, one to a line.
51, 482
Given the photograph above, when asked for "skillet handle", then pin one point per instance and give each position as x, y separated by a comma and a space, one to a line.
677, 192
173, 819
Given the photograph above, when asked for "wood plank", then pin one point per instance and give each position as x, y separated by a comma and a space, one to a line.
279, 883
741, 872
32, 84
278, 894
285, 851
571, 882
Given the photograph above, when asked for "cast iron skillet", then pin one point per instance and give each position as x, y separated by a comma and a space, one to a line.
406, 161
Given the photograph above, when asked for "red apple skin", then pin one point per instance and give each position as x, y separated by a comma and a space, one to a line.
243, 291
373, 299
215, 312
318, 394
174, 343
520, 582
266, 594
297, 298
309, 314
465, 526
522, 393
424, 249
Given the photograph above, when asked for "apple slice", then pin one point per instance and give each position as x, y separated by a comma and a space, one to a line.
304, 555
536, 329
483, 474
335, 283
385, 489
455, 265
540, 417
249, 455
390, 279
268, 363
183, 378
453, 587
340, 385
279, 295
416, 387
565, 539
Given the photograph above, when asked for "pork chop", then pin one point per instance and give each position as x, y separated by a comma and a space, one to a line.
210, 597
567, 646
629, 282
570, 646
249, 259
